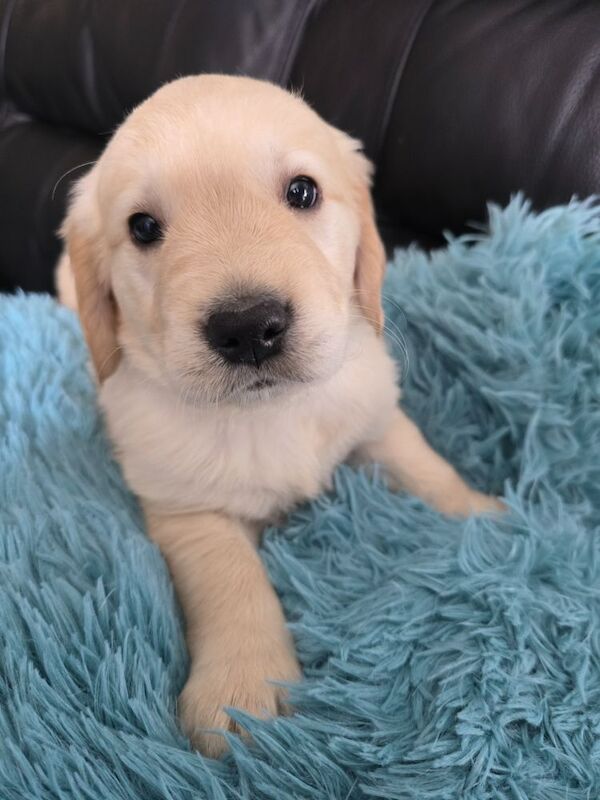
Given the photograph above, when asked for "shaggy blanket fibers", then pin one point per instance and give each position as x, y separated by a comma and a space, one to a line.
443, 659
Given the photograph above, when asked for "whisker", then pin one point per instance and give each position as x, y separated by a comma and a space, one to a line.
68, 172
109, 356
394, 334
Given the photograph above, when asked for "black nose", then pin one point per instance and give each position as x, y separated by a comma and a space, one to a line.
249, 330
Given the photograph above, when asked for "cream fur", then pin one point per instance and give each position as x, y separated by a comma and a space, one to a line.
211, 459
252, 461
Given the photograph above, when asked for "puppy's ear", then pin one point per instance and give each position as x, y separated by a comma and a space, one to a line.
370, 256
87, 259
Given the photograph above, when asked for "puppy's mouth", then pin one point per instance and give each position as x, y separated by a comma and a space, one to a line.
255, 346
262, 387
252, 355
261, 383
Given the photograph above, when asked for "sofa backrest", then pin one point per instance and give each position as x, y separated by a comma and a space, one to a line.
458, 102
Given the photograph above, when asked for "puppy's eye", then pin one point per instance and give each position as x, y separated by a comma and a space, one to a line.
302, 192
144, 229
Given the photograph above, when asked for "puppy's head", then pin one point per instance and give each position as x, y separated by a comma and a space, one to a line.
224, 242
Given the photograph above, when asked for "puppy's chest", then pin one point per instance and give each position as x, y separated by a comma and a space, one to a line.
260, 465
253, 462
250, 463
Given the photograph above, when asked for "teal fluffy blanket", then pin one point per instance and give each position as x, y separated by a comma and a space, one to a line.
443, 658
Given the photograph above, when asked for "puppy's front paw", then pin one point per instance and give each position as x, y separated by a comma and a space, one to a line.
241, 680
466, 502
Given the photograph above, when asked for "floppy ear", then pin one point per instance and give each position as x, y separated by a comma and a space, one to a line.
95, 301
370, 256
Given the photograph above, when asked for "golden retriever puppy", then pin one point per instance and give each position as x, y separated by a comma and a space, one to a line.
227, 271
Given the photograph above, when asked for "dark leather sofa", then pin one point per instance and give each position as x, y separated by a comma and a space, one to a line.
457, 101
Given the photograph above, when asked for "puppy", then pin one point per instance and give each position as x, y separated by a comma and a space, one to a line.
227, 272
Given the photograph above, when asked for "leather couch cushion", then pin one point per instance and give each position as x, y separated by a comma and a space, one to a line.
457, 101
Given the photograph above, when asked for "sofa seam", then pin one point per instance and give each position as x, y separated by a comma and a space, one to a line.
12, 4
302, 14
396, 78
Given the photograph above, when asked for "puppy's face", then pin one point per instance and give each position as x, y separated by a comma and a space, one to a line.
225, 242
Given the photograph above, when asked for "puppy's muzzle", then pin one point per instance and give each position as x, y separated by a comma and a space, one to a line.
249, 330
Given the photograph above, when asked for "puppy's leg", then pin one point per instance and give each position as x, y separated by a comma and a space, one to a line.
414, 466
235, 627
65, 283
